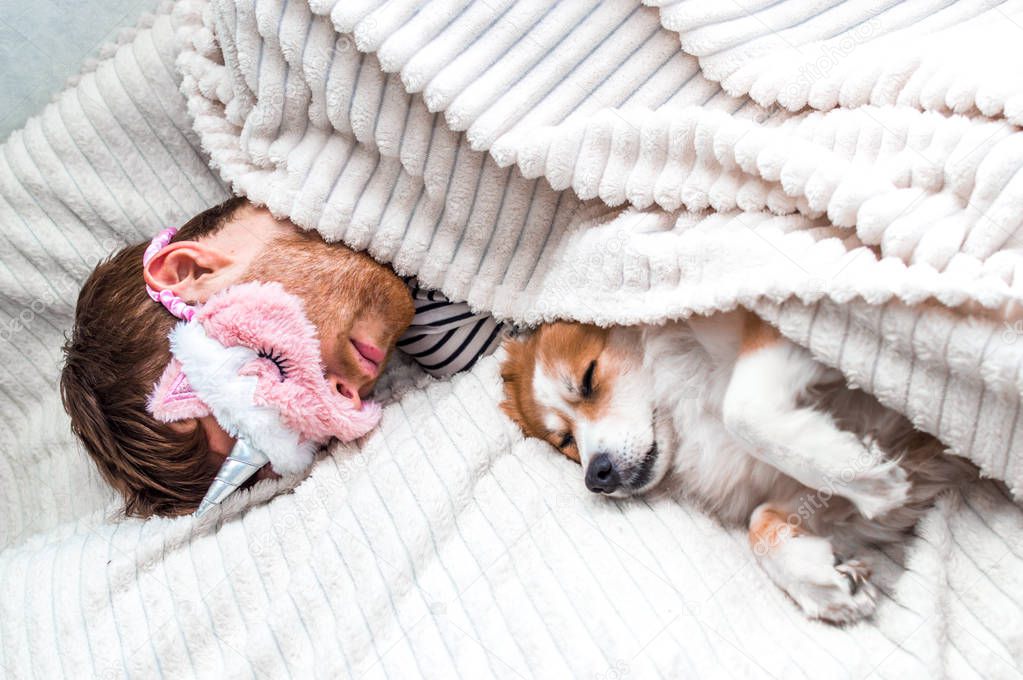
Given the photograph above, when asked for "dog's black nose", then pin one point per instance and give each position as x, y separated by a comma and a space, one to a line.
601, 476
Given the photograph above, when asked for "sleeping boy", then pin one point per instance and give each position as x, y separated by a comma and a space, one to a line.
118, 347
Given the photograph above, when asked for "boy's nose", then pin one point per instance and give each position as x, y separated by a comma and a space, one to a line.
346, 390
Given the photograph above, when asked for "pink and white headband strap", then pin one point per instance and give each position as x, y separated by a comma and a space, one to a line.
165, 297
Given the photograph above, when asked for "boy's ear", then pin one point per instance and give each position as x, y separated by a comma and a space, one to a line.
188, 269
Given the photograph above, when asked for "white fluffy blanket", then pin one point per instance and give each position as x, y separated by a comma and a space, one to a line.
483, 145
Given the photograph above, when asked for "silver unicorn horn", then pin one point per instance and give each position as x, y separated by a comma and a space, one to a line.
243, 462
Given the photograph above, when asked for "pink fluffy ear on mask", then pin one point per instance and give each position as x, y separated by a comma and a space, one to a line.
173, 398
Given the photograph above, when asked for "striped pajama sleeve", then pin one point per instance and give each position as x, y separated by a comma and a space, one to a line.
447, 337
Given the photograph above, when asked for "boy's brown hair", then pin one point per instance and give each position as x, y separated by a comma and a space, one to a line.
116, 351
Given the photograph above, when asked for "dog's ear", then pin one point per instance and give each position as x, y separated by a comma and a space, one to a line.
513, 373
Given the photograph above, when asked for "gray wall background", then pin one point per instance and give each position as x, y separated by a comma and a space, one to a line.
43, 42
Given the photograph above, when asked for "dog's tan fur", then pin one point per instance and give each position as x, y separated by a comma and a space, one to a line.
769, 527
756, 334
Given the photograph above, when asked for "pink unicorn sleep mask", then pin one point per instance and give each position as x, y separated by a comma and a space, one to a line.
251, 358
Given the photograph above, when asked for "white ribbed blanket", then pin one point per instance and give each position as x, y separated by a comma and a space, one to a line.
479, 144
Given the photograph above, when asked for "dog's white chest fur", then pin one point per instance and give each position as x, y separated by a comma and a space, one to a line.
691, 365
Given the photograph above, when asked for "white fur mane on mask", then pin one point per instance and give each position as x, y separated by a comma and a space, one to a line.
212, 371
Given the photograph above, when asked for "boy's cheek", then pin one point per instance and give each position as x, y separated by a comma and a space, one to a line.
219, 441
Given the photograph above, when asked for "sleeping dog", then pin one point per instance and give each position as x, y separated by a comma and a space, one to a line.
748, 424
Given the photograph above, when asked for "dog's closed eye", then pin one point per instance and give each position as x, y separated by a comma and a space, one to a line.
566, 440
586, 388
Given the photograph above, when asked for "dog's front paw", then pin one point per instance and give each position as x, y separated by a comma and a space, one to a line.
878, 489
805, 568
849, 597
